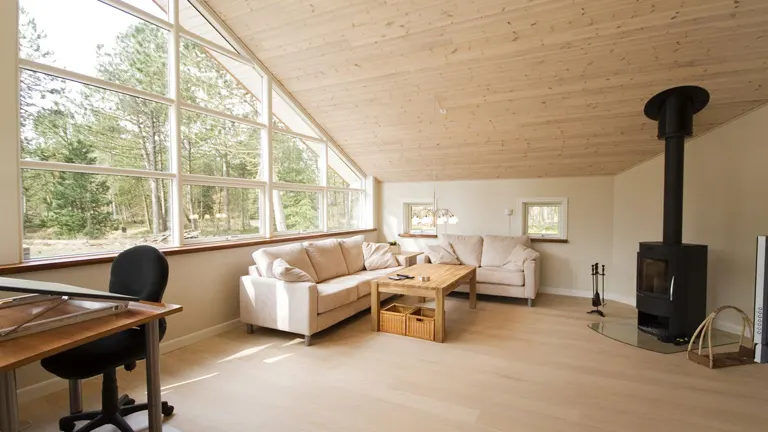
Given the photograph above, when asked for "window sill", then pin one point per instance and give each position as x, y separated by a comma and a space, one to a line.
65, 262
406, 235
548, 240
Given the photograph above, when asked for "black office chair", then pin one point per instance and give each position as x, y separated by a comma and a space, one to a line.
141, 271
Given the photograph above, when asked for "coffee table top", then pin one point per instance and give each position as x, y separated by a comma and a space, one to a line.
441, 275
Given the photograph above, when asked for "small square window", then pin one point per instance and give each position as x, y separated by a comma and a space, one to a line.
545, 217
419, 219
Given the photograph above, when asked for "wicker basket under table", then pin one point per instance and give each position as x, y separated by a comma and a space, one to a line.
392, 319
421, 323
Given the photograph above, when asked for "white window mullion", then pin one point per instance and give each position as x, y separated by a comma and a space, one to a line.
96, 82
324, 182
203, 180
93, 169
222, 115
298, 135
266, 156
296, 187
213, 46
139, 13
174, 72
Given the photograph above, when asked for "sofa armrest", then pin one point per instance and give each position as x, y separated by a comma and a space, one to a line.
288, 306
532, 272
423, 259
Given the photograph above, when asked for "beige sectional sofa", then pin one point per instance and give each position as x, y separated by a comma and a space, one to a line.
489, 253
342, 289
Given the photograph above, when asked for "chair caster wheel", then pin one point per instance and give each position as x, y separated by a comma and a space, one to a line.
167, 410
67, 426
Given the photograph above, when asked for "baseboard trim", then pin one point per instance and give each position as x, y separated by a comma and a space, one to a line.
53, 385
587, 294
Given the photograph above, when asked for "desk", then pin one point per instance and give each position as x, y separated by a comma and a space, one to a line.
24, 350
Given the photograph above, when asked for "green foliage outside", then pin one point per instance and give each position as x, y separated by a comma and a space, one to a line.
63, 121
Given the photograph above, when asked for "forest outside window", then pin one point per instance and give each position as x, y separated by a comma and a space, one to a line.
102, 166
296, 212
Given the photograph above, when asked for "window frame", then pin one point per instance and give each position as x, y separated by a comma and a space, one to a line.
174, 101
561, 202
407, 219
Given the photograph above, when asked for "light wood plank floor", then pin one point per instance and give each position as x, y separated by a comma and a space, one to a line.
504, 367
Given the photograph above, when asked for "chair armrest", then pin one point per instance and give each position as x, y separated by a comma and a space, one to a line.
288, 306
532, 272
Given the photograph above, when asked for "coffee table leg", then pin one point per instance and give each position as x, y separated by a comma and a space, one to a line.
439, 316
375, 305
473, 291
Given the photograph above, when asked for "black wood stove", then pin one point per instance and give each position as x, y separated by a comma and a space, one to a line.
672, 275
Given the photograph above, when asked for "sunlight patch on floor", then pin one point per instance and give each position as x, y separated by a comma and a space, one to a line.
278, 358
245, 353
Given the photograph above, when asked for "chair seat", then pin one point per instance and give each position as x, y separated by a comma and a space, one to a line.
94, 358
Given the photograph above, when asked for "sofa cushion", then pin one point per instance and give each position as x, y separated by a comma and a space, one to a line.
442, 254
284, 272
293, 254
467, 248
519, 256
500, 276
352, 248
377, 256
326, 258
496, 249
364, 287
337, 292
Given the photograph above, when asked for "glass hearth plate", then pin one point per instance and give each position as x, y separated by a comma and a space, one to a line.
627, 332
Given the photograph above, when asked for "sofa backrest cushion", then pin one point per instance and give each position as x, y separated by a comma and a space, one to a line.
378, 256
352, 249
496, 249
293, 254
468, 248
517, 259
442, 254
327, 259
285, 272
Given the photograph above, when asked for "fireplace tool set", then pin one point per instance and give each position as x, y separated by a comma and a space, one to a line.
598, 300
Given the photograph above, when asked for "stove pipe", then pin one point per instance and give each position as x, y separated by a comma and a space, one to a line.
674, 109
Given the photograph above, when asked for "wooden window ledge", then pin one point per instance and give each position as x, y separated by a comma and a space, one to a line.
548, 240
406, 235
83, 260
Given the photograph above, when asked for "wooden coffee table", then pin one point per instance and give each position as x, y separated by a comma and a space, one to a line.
443, 279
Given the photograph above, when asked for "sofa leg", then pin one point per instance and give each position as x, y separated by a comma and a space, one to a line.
530, 302
249, 328
307, 340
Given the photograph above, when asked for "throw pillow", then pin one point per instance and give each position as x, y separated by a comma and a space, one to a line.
284, 272
326, 258
352, 248
377, 256
293, 254
439, 254
519, 256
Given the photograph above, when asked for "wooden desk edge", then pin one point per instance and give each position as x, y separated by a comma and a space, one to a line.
169, 309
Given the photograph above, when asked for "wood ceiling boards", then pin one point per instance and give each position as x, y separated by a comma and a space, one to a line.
537, 88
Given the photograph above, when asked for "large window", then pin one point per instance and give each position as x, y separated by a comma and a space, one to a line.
120, 146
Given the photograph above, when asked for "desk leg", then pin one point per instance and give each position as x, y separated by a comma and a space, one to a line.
9, 404
153, 376
473, 291
439, 316
375, 305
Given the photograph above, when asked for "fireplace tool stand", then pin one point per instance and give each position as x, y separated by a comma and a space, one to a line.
598, 301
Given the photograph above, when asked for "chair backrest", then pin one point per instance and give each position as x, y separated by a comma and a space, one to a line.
141, 271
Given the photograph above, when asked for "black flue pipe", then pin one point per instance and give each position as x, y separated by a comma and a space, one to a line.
674, 109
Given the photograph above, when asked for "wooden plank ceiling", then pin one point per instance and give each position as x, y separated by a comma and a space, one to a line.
530, 88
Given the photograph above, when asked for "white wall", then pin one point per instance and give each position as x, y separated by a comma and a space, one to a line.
480, 205
725, 207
